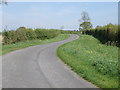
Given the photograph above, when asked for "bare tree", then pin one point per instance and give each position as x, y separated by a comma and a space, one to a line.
85, 17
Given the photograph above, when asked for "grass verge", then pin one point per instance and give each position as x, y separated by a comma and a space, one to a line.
92, 60
13, 47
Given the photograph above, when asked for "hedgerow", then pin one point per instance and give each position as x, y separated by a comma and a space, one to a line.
108, 34
23, 34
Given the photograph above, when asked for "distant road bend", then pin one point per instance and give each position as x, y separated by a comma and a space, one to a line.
39, 67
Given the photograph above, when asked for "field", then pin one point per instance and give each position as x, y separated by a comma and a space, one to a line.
12, 47
92, 60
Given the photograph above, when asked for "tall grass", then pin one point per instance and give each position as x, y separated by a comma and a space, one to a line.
92, 60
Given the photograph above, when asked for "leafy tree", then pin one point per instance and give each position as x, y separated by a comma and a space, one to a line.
86, 24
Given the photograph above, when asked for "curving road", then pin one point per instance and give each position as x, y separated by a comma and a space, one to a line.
39, 67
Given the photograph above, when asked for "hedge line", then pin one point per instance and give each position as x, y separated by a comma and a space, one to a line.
108, 34
23, 34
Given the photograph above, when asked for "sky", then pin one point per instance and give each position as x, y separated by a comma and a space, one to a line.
53, 15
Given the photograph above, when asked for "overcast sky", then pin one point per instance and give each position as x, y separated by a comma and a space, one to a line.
56, 14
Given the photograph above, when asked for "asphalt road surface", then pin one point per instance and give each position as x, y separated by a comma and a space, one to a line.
39, 67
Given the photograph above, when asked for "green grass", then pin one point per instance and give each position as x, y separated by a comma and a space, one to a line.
92, 60
12, 47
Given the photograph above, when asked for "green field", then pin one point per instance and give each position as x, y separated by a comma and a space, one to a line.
12, 47
92, 60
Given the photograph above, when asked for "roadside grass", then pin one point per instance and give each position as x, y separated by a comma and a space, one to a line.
12, 47
92, 60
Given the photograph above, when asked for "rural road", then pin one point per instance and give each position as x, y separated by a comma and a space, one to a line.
39, 67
